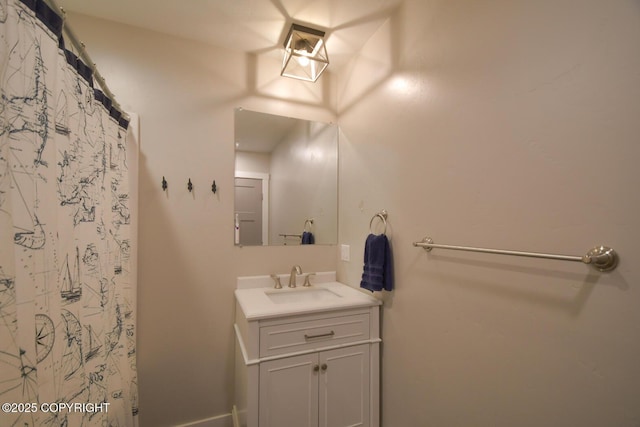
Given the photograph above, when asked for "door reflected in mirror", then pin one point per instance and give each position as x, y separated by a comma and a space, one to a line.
286, 180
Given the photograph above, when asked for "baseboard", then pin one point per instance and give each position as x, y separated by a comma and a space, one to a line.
225, 420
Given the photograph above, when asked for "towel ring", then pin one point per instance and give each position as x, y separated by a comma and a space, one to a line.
383, 216
309, 222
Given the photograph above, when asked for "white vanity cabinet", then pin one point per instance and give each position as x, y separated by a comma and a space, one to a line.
328, 388
318, 368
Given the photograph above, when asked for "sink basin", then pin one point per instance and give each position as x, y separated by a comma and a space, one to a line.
257, 299
301, 295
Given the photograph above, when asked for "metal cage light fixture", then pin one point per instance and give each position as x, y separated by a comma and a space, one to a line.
305, 53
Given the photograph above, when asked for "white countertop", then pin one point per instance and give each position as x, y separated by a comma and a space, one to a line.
256, 304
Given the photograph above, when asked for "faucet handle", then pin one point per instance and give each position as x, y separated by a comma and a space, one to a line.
276, 279
306, 279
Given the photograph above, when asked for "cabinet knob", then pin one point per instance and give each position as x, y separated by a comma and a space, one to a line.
324, 366
316, 368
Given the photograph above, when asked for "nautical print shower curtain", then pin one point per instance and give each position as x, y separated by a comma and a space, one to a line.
67, 298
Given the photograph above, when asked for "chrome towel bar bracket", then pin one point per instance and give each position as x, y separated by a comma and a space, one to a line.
601, 258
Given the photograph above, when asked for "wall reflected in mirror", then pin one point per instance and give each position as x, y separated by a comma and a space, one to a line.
286, 180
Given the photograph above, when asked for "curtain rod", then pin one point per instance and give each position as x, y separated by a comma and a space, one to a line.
84, 54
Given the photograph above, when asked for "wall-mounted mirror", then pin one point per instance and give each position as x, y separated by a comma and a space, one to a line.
286, 180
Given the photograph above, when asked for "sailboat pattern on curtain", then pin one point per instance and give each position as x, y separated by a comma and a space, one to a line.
67, 297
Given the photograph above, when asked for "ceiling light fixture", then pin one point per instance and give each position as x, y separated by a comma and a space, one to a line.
305, 54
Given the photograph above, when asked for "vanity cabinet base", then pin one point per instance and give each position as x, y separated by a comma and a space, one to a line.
327, 384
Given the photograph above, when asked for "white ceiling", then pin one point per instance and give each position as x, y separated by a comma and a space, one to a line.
248, 25
257, 26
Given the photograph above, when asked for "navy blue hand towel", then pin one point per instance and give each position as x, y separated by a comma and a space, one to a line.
307, 238
378, 269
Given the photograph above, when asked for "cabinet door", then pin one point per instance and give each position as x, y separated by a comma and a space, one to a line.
344, 387
289, 392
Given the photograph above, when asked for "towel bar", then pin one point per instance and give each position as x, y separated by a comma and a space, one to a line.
601, 258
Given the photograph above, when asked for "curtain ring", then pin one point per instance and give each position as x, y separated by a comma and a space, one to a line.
383, 216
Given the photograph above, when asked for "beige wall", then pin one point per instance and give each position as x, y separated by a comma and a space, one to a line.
253, 162
185, 94
500, 124
506, 124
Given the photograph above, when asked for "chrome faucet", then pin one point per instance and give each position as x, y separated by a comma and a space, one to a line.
292, 277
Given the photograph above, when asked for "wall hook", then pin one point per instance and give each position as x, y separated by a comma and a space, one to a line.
189, 185
164, 183
214, 187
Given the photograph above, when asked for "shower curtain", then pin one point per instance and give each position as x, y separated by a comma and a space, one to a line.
67, 295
